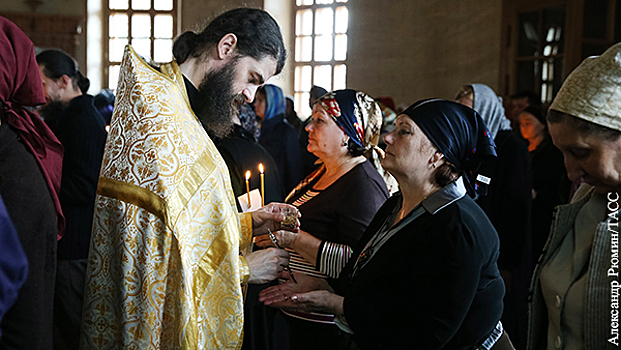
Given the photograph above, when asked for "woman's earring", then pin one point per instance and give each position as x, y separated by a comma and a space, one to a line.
434, 165
344, 143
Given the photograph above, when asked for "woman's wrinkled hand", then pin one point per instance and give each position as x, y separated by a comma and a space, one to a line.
282, 293
313, 301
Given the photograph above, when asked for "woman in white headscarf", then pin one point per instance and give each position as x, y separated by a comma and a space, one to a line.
508, 203
575, 286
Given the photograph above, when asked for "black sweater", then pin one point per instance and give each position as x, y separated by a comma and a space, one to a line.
280, 139
508, 204
341, 212
550, 188
81, 131
433, 285
241, 153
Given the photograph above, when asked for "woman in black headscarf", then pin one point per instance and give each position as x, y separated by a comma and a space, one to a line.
424, 274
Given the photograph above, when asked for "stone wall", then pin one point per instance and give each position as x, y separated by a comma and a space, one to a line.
425, 48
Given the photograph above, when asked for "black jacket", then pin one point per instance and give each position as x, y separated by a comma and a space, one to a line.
433, 285
280, 139
241, 153
508, 203
81, 130
550, 188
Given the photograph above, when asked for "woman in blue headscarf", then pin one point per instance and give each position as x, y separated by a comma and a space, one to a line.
424, 274
278, 136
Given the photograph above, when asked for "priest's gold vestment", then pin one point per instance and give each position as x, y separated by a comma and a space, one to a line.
164, 268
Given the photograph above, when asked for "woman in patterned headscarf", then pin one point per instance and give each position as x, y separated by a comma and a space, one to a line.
424, 275
337, 201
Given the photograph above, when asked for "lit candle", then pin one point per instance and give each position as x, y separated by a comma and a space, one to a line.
248, 187
262, 185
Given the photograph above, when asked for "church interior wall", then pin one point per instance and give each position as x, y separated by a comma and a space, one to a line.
400, 48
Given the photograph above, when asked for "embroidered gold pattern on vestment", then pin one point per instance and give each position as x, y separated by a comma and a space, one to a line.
164, 269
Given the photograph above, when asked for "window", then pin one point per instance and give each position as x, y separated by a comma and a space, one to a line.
320, 48
540, 51
544, 40
148, 25
601, 27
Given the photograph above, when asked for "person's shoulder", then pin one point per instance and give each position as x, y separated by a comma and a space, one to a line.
288, 128
82, 111
508, 142
288, 124
364, 169
278, 127
463, 221
451, 213
549, 149
464, 211
371, 174
362, 172
83, 101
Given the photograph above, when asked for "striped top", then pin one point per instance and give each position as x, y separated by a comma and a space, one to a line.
331, 258
299, 264
338, 216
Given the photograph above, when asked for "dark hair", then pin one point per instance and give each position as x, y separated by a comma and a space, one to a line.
354, 149
56, 63
533, 98
537, 113
583, 126
258, 35
261, 90
446, 174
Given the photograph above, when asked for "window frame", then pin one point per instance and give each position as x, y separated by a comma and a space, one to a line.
314, 63
107, 11
575, 40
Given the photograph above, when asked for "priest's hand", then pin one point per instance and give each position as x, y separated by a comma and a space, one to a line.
266, 264
272, 217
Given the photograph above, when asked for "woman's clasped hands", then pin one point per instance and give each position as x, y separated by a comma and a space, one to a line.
309, 294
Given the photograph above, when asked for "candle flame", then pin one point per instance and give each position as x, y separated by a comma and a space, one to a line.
248, 175
261, 168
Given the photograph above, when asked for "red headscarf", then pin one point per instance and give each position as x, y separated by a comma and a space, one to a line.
20, 85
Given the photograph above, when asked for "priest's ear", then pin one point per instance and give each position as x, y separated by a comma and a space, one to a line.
226, 46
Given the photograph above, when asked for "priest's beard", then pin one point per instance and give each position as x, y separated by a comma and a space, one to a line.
216, 102
51, 111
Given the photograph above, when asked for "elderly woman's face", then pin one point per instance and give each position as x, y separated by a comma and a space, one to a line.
324, 135
597, 161
408, 150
